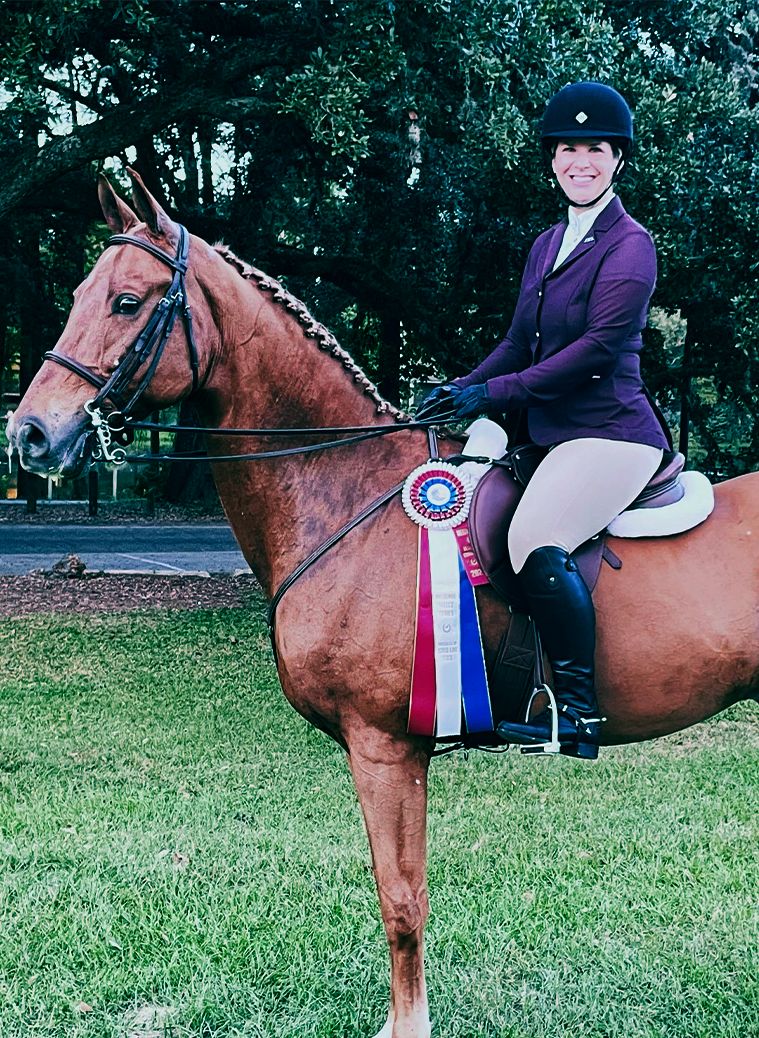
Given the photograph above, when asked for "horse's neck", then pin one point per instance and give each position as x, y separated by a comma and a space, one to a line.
271, 376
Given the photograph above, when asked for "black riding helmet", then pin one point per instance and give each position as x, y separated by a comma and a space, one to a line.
589, 111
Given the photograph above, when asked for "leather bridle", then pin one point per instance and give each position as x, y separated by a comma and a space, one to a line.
114, 431
150, 343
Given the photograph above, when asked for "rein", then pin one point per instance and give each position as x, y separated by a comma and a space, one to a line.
373, 433
317, 553
364, 432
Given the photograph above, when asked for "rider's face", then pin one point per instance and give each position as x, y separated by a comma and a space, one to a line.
584, 168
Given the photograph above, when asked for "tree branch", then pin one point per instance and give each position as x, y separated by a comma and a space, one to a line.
367, 282
74, 95
108, 136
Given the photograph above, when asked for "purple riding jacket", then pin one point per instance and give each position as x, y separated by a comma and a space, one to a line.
572, 353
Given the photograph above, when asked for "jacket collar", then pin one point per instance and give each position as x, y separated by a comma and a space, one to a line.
603, 222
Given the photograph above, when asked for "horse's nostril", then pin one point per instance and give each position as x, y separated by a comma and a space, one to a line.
31, 439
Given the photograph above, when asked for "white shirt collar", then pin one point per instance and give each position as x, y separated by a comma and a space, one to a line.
581, 220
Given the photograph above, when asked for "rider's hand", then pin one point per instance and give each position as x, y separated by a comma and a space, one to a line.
433, 401
435, 394
469, 402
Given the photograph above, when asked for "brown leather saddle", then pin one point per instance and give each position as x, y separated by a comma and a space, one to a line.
496, 498
512, 672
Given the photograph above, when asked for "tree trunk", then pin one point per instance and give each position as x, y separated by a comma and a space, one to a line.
389, 360
4, 358
692, 337
32, 336
205, 141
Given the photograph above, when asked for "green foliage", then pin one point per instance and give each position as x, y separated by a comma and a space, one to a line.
382, 157
327, 98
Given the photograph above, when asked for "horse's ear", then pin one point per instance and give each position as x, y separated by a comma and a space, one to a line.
147, 207
117, 213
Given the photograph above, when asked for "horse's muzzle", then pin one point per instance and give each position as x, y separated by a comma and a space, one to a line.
47, 455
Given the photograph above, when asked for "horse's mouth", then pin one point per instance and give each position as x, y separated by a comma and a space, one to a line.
64, 456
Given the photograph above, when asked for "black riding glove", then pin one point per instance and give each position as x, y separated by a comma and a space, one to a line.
469, 402
436, 400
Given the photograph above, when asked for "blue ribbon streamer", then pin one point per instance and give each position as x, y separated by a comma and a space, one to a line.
474, 682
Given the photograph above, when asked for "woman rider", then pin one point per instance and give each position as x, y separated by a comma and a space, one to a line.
571, 358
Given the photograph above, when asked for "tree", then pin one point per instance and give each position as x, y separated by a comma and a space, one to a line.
382, 158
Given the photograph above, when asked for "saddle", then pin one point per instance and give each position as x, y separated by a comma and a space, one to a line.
495, 499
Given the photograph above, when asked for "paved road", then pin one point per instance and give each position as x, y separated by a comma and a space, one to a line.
174, 548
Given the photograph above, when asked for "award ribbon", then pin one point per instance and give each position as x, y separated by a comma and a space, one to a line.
421, 717
444, 570
477, 710
449, 685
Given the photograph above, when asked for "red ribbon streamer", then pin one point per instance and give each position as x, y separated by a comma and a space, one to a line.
466, 551
421, 719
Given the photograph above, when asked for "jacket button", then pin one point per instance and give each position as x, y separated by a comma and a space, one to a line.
537, 335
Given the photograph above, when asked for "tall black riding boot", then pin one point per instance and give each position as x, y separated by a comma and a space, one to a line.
561, 606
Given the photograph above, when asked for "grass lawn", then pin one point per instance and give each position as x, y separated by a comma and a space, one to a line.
181, 855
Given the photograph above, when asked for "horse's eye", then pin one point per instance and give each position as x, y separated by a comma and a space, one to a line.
126, 304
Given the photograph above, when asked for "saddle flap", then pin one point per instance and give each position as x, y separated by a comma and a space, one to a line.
494, 502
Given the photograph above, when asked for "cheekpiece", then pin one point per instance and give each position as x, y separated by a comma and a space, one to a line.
437, 495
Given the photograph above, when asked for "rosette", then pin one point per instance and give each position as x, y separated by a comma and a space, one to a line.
437, 495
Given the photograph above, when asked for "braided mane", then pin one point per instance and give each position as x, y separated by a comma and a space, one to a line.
312, 329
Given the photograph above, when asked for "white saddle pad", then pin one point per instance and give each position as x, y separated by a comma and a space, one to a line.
696, 504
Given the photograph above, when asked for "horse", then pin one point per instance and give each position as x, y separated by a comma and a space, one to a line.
678, 625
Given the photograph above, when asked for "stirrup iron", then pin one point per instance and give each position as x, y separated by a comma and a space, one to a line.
553, 745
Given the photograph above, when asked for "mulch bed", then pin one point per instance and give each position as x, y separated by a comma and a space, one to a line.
101, 592
108, 512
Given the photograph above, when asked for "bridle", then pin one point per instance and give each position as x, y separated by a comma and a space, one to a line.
147, 349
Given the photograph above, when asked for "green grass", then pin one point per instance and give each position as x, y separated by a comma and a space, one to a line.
183, 854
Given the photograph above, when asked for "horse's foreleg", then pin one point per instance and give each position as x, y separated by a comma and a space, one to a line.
391, 780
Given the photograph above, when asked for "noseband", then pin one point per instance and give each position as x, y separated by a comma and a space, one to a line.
151, 341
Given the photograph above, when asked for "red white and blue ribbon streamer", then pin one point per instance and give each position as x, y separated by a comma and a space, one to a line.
449, 689
422, 708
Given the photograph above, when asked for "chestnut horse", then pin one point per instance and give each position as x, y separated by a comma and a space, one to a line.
678, 624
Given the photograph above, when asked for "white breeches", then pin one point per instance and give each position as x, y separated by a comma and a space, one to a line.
578, 488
